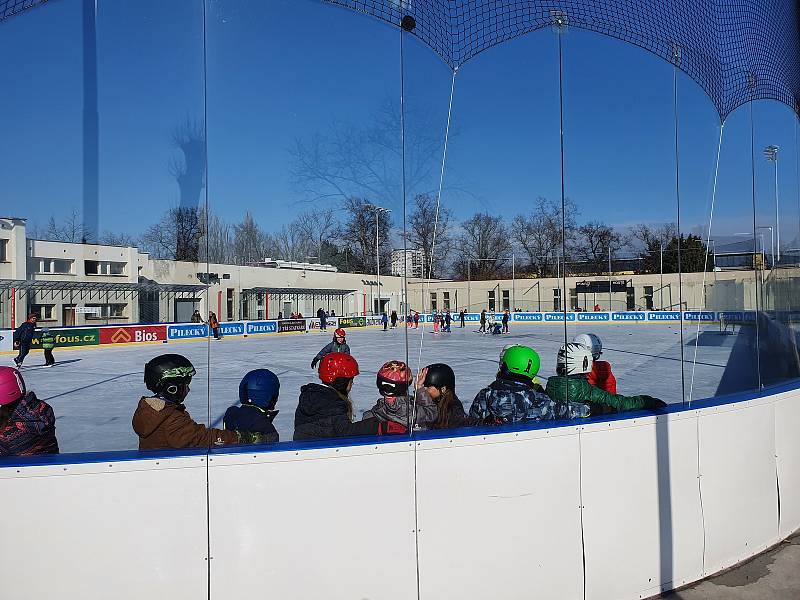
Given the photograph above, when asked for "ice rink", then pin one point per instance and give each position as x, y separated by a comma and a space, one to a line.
94, 392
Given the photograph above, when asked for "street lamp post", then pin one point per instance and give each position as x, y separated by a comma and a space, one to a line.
378, 210
771, 241
771, 153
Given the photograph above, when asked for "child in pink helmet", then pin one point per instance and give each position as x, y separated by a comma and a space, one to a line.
27, 424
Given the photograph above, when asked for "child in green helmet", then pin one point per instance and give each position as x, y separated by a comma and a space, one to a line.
512, 397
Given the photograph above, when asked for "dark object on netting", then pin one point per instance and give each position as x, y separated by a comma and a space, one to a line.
736, 50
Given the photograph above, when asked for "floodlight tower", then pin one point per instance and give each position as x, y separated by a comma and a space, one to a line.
771, 153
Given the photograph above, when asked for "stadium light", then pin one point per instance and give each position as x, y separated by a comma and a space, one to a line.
771, 154
378, 210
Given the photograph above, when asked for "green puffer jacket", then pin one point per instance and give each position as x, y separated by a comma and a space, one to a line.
48, 341
578, 389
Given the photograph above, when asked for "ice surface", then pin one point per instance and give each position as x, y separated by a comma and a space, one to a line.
94, 392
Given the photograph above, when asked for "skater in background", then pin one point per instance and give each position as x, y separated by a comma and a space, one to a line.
506, 317
197, 317
394, 409
325, 410
573, 366
482, 328
337, 345
448, 318
461, 317
384, 320
512, 396
48, 341
416, 320
323, 319
213, 323
436, 384
436, 320
252, 419
601, 375
161, 420
280, 315
27, 424
394, 319
493, 326
23, 337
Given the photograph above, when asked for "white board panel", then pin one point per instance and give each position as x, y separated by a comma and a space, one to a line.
642, 519
500, 518
787, 451
112, 530
738, 481
333, 524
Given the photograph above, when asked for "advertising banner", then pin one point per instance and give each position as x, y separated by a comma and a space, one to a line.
285, 325
258, 327
231, 328
699, 315
352, 321
6, 340
70, 337
185, 332
133, 334
527, 317
331, 323
552, 317
664, 315
594, 316
629, 316
373, 320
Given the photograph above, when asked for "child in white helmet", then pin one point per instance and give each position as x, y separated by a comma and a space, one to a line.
601, 375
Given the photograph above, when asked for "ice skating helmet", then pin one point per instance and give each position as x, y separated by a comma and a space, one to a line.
260, 387
12, 386
339, 333
574, 359
592, 342
169, 376
394, 378
520, 361
337, 365
506, 347
440, 375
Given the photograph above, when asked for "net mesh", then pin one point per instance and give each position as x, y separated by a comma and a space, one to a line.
736, 50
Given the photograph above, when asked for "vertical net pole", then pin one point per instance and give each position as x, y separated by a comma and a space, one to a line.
751, 81
676, 60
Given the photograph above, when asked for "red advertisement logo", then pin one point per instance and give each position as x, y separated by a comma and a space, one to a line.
133, 334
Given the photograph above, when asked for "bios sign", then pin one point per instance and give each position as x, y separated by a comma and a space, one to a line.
133, 335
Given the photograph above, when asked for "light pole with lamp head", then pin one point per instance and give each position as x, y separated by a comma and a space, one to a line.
378, 210
771, 153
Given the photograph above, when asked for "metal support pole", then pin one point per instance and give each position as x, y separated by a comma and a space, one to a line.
777, 212
469, 286
513, 282
610, 304
661, 261
377, 262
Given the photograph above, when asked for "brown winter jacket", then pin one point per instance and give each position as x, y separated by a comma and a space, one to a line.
160, 424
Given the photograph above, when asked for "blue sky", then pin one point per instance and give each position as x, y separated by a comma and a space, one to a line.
284, 70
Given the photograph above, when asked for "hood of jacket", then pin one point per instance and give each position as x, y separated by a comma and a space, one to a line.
32, 415
151, 413
398, 411
318, 401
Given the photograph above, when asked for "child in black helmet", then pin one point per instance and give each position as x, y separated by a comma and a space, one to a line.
437, 383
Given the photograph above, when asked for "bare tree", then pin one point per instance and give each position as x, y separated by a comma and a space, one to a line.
110, 238
539, 233
596, 240
483, 246
653, 235
176, 236
216, 243
317, 227
71, 229
432, 237
358, 236
250, 243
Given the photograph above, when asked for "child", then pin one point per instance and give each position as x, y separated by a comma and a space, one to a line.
394, 409
512, 396
573, 366
384, 320
337, 345
27, 424
437, 382
161, 420
325, 410
436, 322
601, 375
48, 343
258, 394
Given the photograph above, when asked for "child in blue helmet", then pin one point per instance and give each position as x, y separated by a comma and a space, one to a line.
258, 394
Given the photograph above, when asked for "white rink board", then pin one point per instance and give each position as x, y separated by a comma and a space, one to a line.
500, 518
124, 530
329, 523
787, 452
738, 481
642, 520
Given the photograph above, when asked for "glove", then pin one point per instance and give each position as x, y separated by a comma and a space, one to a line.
654, 403
314, 363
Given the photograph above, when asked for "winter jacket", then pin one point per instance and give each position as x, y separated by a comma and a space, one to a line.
396, 417
213, 322
162, 424
505, 401
30, 429
322, 412
252, 419
24, 334
578, 389
328, 349
48, 341
602, 377
456, 418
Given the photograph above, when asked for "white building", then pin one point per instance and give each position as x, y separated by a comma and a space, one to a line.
414, 264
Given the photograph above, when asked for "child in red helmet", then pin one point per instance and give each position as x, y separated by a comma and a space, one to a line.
394, 410
324, 410
337, 345
27, 424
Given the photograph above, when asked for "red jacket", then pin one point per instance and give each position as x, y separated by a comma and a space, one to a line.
602, 377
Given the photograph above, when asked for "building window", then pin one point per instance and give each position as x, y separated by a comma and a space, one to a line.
506, 300
433, 301
446, 300
3, 250
648, 297
556, 299
103, 267
45, 311
573, 298
107, 311
491, 300
58, 266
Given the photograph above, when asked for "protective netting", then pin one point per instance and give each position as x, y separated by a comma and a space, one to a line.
736, 50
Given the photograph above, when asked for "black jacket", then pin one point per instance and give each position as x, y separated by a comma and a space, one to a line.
249, 417
24, 333
322, 413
